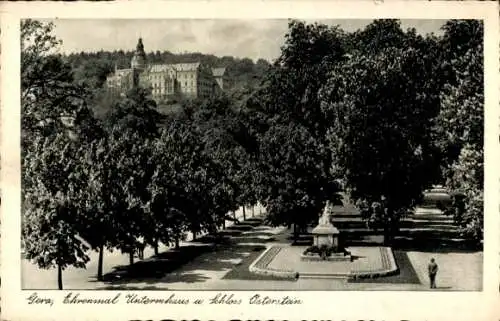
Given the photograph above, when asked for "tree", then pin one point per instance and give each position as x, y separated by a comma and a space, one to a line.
295, 182
51, 183
98, 227
94, 73
137, 112
48, 93
309, 54
294, 185
189, 190
165, 208
226, 139
459, 124
466, 182
377, 36
55, 128
134, 169
381, 109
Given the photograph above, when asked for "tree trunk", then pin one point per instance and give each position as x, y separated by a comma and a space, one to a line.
388, 226
253, 211
387, 233
59, 277
100, 262
194, 235
155, 246
295, 233
131, 256
234, 216
244, 214
176, 243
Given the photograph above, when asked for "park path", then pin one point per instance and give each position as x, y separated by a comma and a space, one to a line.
34, 278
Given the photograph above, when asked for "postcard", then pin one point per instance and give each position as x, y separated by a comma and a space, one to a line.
247, 160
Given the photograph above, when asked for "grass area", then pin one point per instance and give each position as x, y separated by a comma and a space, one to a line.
406, 275
241, 272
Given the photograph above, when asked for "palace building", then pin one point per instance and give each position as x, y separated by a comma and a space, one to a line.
168, 82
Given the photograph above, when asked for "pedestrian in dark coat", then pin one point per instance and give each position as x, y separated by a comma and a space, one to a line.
432, 269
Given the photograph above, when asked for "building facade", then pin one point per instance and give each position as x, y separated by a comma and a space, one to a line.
222, 78
167, 82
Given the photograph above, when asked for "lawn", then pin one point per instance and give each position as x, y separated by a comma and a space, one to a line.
406, 275
241, 272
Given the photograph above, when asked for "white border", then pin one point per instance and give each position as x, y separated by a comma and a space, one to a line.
332, 305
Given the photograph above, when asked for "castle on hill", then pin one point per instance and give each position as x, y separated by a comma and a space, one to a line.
168, 82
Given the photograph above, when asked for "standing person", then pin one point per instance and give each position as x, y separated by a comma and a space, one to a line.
432, 269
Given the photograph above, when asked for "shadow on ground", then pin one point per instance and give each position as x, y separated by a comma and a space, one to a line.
155, 268
223, 251
427, 243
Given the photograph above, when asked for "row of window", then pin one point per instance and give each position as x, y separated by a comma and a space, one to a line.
163, 90
160, 77
157, 85
187, 76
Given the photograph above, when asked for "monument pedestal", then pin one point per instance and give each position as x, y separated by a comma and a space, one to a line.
326, 235
326, 243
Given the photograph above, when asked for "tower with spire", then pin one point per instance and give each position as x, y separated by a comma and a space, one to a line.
139, 58
138, 62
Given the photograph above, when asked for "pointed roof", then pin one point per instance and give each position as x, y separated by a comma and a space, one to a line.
140, 47
218, 72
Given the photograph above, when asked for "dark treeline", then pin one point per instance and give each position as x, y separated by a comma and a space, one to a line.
380, 114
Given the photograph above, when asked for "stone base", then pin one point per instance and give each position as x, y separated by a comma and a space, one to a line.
335, 257
368, 262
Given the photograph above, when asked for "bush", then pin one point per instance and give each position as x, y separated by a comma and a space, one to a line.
312, 250
324, 250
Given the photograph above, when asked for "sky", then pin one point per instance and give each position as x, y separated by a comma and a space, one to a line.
252, 39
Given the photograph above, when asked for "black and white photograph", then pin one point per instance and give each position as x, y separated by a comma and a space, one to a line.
264, 154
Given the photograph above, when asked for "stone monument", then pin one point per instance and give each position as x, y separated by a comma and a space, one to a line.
326, 244
325, 233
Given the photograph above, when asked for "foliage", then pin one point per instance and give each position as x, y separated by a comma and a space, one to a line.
56, 125
137, 112
309, 53
51, 184
189, 183
48, 93
460, 122
297, 184
293, 159
381, 107
466, 182
228, 141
